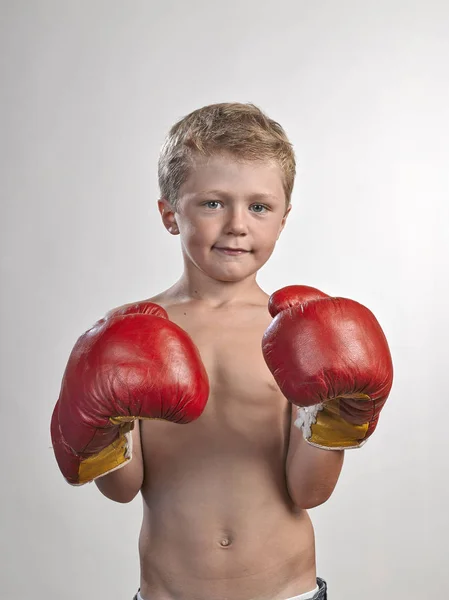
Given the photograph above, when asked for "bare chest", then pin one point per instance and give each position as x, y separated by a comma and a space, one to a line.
230, 345
241, 438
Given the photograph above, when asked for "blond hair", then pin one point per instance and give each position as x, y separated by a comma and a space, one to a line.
241, 130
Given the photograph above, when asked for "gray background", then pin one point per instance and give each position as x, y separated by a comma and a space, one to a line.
88, 91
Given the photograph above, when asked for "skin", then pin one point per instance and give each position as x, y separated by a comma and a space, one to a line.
225, 498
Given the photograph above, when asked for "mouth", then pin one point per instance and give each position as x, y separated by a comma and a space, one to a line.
231, 251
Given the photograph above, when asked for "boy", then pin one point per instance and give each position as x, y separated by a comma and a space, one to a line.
226, 494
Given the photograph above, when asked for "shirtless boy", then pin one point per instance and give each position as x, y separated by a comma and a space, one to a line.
178, 398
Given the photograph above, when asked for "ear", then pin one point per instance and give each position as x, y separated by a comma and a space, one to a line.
167, 213
284, 220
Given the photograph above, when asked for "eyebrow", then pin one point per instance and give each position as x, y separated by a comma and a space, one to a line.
222, 193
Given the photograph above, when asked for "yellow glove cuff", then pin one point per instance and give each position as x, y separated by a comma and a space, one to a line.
324, 427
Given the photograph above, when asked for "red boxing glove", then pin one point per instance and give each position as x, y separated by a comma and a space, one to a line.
329, 357
133, 364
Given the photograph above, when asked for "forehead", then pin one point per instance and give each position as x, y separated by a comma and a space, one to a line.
230, 175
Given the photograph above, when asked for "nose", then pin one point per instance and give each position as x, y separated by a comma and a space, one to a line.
236, 223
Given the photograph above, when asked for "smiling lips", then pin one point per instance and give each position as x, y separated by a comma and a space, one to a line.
232, 251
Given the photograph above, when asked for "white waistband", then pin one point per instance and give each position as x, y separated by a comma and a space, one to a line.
305, 596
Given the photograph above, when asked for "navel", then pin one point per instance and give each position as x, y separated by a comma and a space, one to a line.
225, 541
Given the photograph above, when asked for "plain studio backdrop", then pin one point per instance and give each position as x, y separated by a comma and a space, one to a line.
89, 90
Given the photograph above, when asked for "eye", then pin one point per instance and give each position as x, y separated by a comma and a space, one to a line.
212, 204
259, 208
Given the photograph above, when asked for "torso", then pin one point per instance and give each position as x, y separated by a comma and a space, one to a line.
218, 521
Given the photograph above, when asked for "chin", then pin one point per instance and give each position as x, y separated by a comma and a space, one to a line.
230, 279
219, 275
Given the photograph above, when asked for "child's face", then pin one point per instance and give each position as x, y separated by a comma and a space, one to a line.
224, 204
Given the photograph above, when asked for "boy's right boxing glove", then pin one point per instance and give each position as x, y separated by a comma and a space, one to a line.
133, 364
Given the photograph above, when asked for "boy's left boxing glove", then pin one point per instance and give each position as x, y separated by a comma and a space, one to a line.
133, 364
330, 357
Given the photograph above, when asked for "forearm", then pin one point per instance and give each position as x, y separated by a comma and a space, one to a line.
124, 484
312, 473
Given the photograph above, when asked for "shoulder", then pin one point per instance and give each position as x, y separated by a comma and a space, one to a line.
160, 299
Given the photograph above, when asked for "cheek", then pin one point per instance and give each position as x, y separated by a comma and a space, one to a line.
199, 234
268, 234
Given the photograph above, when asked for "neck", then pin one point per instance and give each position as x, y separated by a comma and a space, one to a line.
216, 294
